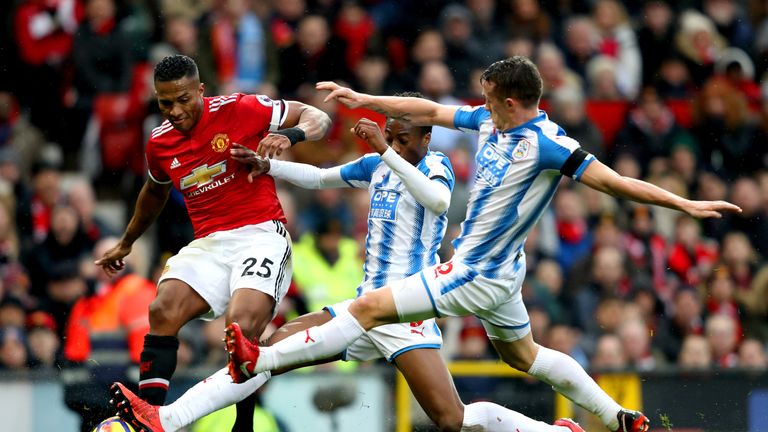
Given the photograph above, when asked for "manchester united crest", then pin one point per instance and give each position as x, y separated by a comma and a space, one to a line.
220, 143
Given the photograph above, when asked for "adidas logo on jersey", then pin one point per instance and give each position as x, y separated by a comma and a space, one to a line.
175, 163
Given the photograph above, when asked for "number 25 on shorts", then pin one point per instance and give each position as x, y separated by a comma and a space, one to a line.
264, 270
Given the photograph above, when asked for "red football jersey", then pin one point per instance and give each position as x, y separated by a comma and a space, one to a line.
215, 186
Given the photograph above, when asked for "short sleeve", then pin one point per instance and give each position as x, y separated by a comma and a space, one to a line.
468, 118
437, 167
156, 173
358, 173
263, 113
555, 152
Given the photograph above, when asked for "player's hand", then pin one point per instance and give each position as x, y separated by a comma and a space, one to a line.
273, 145
345, 95
243, 154
710, 209
371, 133
112, 261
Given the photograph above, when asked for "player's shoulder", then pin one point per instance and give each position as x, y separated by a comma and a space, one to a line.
161, 132
218, 103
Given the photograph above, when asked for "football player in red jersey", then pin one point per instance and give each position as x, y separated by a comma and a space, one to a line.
240, 259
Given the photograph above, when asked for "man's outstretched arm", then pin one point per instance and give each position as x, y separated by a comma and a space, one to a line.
418, 111
600, 177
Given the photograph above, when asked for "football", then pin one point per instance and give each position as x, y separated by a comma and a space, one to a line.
113, 424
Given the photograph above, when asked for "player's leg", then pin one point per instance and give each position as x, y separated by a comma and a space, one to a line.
211, 394
403, 301
175, 305
432, 386
514, 343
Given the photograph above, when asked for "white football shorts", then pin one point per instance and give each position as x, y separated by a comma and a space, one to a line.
455, 289
254, 257
391, 340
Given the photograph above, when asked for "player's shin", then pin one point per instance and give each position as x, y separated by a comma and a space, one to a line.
314, 343
209, 395
568, 378
158, 362
489, 417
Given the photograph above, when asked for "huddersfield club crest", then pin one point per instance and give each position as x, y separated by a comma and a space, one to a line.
220, 143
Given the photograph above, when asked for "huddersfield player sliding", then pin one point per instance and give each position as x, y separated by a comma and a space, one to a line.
521, 158
410, 190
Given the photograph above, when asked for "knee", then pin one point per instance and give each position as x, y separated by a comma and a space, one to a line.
252, 322
367, 309
522, 358
163, 316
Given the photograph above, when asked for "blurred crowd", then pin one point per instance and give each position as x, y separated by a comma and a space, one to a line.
670, 92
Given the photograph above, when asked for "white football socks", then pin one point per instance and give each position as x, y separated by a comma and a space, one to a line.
489, 417
314, 343
568, 378
209, 395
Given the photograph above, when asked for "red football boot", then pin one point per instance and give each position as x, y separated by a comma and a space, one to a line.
632, 421
134, 410
242, 354
570, 424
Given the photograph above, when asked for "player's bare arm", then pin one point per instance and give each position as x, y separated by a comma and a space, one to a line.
150, 203
420, 112
243, 154
303, 123
600, 177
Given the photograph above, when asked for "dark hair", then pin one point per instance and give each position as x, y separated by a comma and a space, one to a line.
175, 67
424, 129
517, 78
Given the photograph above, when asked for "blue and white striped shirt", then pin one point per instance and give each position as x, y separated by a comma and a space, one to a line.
518, 171
403, 237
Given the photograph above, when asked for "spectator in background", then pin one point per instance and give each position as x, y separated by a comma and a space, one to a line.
428, 46
720, 331
44, 342
34, 215
602, 78
356, 28
554, 73
43, 32
239, 47
565, 339
81, 197
740, 259
487, 25
102, 64
572, 228
331, 265
755, 303
580, 41
695, 354
655, 38
609, 354
315, 56
650, 132
284, 21
463, 51
691, 256
686, 320
699, 44
617, 41
436, 83
736, 68
373, 75
12, 312
674, 80
547, 289
18, 138
684, 162
568, 109
646, 249
182, 36
636, 340
13, 349
104, 337
528, 19
65, 244
752, 355
609, 279
730, 22
753, 220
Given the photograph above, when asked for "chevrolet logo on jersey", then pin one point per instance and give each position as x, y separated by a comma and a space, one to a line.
203, 175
